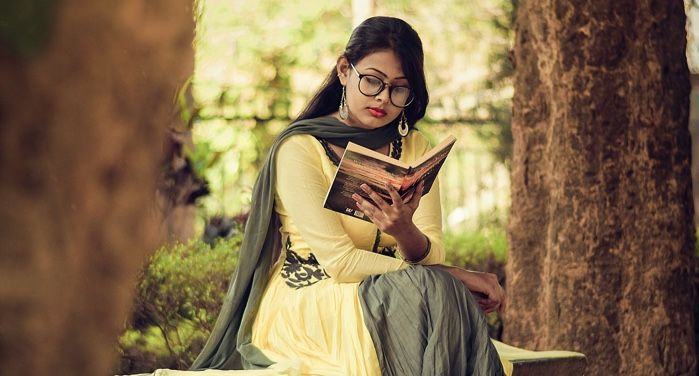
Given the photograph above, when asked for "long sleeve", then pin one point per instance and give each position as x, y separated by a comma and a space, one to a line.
301, 188
428, 218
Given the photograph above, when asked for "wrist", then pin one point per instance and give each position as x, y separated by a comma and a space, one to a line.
423, 255
408, 233
467, 277
413, 244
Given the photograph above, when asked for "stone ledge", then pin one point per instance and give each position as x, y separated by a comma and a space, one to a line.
573, 366
521, 362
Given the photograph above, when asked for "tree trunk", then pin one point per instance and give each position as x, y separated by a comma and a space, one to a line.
601, 228
694, 131
86, 96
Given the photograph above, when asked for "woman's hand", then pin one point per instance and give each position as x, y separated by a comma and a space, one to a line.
392, 219
484, 286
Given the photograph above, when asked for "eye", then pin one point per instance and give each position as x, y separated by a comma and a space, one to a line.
373, 81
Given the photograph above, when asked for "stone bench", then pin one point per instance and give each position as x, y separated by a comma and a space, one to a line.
538, 363
516, 362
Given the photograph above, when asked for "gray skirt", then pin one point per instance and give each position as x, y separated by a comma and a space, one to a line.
423, 321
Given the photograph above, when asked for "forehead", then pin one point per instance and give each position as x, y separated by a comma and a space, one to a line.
384, 60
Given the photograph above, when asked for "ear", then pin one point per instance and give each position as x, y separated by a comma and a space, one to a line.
342, 68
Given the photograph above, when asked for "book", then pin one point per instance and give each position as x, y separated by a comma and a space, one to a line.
362, 165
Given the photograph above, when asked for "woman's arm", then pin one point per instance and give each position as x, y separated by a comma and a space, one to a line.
484, 287
397, 220
301, 188
415, 225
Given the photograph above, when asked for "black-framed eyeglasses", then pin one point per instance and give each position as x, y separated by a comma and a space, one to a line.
370, 85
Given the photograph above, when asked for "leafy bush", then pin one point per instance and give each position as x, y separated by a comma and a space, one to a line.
181, 288
483, 250
177, 301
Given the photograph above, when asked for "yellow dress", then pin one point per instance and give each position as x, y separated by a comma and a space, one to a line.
310, 319
310, 313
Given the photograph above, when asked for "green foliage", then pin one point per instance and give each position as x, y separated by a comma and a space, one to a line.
476, 248
483, 250
257, 63
497, 91
178, 298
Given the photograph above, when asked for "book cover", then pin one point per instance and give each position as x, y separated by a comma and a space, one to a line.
362, 165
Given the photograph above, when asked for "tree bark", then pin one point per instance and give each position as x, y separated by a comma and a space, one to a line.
86, 96
601, 229
694, 131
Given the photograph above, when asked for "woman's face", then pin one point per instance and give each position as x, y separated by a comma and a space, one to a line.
371, 112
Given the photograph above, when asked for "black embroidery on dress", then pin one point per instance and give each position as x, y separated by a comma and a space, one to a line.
387, 251
301, 272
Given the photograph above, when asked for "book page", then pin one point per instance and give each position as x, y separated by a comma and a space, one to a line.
427, 169
446, 143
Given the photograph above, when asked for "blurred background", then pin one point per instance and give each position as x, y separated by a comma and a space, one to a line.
256, 64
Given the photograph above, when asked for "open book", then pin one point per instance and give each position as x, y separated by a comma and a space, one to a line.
361, 165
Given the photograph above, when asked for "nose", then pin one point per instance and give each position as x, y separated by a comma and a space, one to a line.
384, 94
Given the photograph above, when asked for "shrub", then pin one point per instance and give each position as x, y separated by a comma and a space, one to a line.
178, 298
182, 286
483, 250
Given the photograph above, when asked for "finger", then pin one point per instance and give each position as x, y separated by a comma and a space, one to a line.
494, 308
479, 295
417, 195
378, 200
397, 200
491, 300
366, 207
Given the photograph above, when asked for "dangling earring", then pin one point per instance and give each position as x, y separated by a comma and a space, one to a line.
344, 113
403, 125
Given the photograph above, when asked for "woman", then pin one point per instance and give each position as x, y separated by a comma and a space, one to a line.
336, 295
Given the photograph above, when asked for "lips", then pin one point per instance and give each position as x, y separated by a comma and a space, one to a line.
377, 112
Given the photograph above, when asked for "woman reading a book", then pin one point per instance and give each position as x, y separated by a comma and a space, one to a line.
336, 295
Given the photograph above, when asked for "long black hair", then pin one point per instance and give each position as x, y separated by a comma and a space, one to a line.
374, 34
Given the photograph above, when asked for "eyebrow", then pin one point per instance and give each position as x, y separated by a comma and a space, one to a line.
385, 75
